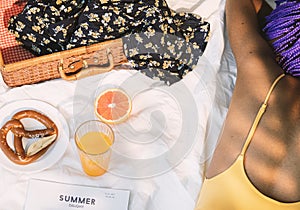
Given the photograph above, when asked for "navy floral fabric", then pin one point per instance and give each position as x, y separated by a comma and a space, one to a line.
157, 40
46, 26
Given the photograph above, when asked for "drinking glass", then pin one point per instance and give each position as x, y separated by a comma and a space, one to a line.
94, 140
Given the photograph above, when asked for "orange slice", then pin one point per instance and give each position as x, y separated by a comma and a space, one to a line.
113, 106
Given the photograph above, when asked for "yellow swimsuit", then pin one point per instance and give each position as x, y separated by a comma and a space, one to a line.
232, 189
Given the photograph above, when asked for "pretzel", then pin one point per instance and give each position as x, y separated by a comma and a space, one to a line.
46, 137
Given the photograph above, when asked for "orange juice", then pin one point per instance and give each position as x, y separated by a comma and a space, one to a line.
94, 146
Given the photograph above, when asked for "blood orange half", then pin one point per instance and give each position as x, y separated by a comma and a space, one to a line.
113, 106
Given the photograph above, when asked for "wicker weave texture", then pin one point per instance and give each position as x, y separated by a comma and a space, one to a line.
45, 67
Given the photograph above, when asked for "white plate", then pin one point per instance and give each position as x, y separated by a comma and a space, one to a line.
54, 153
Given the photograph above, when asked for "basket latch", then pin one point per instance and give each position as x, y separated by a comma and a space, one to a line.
83, 69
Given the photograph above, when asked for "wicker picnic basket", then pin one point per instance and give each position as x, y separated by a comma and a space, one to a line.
69, 64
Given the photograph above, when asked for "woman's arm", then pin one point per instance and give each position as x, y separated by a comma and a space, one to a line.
244, 19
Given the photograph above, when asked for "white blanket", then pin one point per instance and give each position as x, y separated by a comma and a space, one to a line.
174, 129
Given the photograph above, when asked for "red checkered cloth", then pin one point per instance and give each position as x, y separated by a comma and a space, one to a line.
11, 50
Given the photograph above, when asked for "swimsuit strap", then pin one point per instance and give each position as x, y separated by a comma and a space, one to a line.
261, 111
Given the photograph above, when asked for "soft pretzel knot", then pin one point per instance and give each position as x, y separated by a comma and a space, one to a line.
43, 138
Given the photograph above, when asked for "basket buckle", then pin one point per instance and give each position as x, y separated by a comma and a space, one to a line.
84, 69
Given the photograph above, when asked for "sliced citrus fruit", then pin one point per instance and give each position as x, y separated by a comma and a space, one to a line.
113, 106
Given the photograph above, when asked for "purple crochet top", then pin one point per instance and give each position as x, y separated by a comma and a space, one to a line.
283, 25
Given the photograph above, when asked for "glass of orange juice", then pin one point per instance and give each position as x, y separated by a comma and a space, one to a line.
94, 140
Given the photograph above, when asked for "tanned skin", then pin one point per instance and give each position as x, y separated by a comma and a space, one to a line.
272, 161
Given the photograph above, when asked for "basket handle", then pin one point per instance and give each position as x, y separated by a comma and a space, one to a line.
84, 71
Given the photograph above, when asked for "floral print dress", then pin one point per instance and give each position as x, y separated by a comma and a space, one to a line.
160, 42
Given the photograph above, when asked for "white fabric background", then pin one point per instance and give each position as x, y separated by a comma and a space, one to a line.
210, 86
